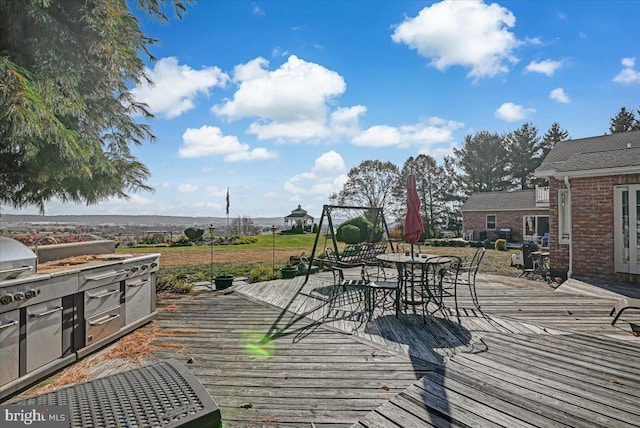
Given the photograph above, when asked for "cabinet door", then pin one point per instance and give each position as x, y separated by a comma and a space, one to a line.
44, 333
138, 298
9, 346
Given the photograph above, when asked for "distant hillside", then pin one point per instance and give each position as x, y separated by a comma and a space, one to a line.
147, 220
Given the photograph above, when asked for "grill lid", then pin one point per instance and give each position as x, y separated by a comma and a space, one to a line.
15, 258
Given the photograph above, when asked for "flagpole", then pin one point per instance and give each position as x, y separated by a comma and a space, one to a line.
227, 211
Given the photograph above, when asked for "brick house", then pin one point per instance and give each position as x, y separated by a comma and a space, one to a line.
524, 212
594, 206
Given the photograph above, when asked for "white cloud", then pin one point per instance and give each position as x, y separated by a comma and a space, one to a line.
628, 62
628, 75
277, 52
216, 191
187, 188
547, 67
432, 131
136, 199
560, 96
252, 70
378, 136
255, 154
176, 87
466, 33
327, 176
511, 112
345, 120
291, 102
257, 10
209, 141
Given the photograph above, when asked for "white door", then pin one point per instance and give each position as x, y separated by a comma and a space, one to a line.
626, 230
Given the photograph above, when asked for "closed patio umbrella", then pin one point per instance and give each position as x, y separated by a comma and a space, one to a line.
413, 226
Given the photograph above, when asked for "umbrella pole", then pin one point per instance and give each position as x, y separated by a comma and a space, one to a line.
412, 251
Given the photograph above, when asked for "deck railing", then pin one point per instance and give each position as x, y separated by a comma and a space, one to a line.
542, 196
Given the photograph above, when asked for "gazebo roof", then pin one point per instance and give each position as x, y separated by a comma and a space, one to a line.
299, 213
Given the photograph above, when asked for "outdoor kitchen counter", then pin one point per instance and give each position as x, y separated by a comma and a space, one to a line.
77, 264
59, 311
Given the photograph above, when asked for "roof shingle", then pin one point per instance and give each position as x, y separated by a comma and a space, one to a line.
500, 201
595, 154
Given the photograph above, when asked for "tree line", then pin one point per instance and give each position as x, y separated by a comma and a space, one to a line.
487, 162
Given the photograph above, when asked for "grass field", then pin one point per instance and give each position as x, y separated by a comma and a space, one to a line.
262, 252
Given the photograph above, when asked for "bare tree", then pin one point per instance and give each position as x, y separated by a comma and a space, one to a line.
370, 184
243, 225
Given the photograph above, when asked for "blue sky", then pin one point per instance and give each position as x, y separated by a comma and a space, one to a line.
277, 100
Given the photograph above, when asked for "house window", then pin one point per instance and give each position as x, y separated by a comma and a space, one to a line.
491, 222
564, 216
535, 226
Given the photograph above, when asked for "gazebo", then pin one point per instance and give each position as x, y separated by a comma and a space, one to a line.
300, 217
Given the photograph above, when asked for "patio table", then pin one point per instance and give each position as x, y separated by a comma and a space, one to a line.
425, 279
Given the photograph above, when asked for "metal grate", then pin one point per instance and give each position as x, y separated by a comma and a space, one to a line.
163, 394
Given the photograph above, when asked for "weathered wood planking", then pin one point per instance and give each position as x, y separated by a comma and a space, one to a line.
266, 367
509, 385
532, 357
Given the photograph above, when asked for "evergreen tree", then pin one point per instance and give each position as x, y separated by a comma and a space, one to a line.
624, 121
66, 115
453, 195
553, 135
524, 154
483, 160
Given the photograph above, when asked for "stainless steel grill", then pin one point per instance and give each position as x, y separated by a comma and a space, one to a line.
15, 259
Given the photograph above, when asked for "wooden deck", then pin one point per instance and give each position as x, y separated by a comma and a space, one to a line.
266, 369
534, 356
279, 354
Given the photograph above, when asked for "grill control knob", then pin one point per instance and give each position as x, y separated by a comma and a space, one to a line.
154, 265
6, 299
18, 296
30, 294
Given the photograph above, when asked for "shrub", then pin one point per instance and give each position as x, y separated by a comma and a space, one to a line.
151, 239
487, 244
501, 245
244, 239
194, 233
349, 233
174, 283
364, 226
182, 242
262, 273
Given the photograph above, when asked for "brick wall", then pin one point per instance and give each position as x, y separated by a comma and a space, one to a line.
592, 226
477, 221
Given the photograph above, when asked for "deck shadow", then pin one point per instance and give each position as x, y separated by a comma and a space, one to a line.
429, 340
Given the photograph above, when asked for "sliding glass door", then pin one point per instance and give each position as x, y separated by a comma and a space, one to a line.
626, 228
